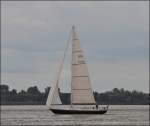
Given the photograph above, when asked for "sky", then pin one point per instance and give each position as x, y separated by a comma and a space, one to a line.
114, 36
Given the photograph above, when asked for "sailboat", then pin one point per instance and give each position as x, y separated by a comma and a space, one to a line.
82, 98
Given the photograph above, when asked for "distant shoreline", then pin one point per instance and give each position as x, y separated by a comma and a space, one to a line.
32, 96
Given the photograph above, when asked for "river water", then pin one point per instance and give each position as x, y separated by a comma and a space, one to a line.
40, 115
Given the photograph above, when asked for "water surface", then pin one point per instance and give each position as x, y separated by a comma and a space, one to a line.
40, 115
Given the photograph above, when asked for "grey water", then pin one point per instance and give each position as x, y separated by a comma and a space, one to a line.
40, 115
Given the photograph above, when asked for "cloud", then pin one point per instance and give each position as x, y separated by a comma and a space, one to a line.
113, 34
131, 75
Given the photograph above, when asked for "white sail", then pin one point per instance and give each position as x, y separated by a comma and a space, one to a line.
81, 92
53, 97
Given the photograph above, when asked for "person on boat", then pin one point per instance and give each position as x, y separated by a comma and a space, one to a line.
106, 108
97, 106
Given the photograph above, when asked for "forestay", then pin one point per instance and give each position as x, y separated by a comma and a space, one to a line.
53, 97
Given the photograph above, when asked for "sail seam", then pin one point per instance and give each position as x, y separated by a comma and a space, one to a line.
79, 64
79, 76
77, 51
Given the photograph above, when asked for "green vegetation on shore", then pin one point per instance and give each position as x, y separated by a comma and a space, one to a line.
34, 97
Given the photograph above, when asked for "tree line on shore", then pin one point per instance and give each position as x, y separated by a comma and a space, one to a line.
33, 96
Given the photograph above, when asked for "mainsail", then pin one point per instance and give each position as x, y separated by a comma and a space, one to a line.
81, 92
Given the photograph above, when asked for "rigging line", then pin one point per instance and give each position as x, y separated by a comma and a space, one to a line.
62, 62
61, 66
66, 66
71, 95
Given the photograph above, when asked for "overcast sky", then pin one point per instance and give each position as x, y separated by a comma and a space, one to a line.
113, 34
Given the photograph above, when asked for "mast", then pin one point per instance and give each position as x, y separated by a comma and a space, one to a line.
81, 91
73, 29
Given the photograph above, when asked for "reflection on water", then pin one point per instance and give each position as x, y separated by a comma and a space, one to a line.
40, 115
